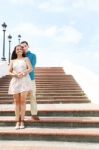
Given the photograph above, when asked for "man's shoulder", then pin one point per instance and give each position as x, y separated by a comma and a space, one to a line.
32, 53
32, 57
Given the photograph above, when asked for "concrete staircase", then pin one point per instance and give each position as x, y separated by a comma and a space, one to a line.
53, 86
65, 112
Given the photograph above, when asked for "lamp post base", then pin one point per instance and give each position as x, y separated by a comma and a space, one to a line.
3, 59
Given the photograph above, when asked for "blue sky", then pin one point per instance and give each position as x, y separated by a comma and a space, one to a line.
57, 30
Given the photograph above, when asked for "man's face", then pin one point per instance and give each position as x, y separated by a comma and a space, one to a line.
25, 47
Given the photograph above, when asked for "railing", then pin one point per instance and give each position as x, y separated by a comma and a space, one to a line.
3, 68
87, 80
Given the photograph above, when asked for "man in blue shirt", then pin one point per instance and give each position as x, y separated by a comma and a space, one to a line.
32, 94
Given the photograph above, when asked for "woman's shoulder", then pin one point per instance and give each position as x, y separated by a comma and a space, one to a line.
26, 59
13, 60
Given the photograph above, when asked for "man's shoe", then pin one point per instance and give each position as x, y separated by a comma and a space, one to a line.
34, 117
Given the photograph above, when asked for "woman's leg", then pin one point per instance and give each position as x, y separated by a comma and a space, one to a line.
23, 96
17, 109
17, 106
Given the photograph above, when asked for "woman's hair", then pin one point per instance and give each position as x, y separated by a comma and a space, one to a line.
14, 55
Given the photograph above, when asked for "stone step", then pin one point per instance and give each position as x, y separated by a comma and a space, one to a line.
52, 94
61, 97
56, 83
50, 72
49, 101
44, 78
54, 99
50, 68
53, 91
59, 91
50, 88
52, 83
46, 145
46, 83
49, 84
61, 122
50, 134
85, 109
53, 75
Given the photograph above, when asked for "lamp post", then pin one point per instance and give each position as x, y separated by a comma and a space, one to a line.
9, 38
19, 37
4, 29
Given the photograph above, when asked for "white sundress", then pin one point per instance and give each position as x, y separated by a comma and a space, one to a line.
18, 85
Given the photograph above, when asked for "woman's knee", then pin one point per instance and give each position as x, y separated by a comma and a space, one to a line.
23, 97
16, 98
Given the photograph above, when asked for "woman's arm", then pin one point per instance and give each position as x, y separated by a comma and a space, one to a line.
10, 70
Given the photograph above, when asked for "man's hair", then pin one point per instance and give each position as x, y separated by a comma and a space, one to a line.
25, 43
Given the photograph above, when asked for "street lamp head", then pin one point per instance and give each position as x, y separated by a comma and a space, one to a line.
19, 36
4, 26
9, 37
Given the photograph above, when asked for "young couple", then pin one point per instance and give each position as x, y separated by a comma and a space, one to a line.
22, 70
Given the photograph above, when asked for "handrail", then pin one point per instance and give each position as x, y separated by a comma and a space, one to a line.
3, 68
88, 80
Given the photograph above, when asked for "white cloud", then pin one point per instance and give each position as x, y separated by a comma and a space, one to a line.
67, 5
96, 55
66, 34
91, 5
69, 35
52, 6
1, 33
78, 4
34, 30
22, 2
95, 39
92, 49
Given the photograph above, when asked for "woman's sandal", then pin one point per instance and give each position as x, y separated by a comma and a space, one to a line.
17, 125
22, 124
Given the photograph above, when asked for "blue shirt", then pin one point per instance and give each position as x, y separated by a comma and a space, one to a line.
32, 58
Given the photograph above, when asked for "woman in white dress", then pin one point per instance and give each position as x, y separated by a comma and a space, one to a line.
20, 84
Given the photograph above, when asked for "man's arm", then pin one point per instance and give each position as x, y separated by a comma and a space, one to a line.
33, 60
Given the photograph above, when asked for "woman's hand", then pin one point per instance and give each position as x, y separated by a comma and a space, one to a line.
20, 74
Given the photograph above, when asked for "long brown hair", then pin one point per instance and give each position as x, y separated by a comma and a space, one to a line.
14, 55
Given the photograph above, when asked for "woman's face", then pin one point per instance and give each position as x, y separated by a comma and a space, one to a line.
19, 50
